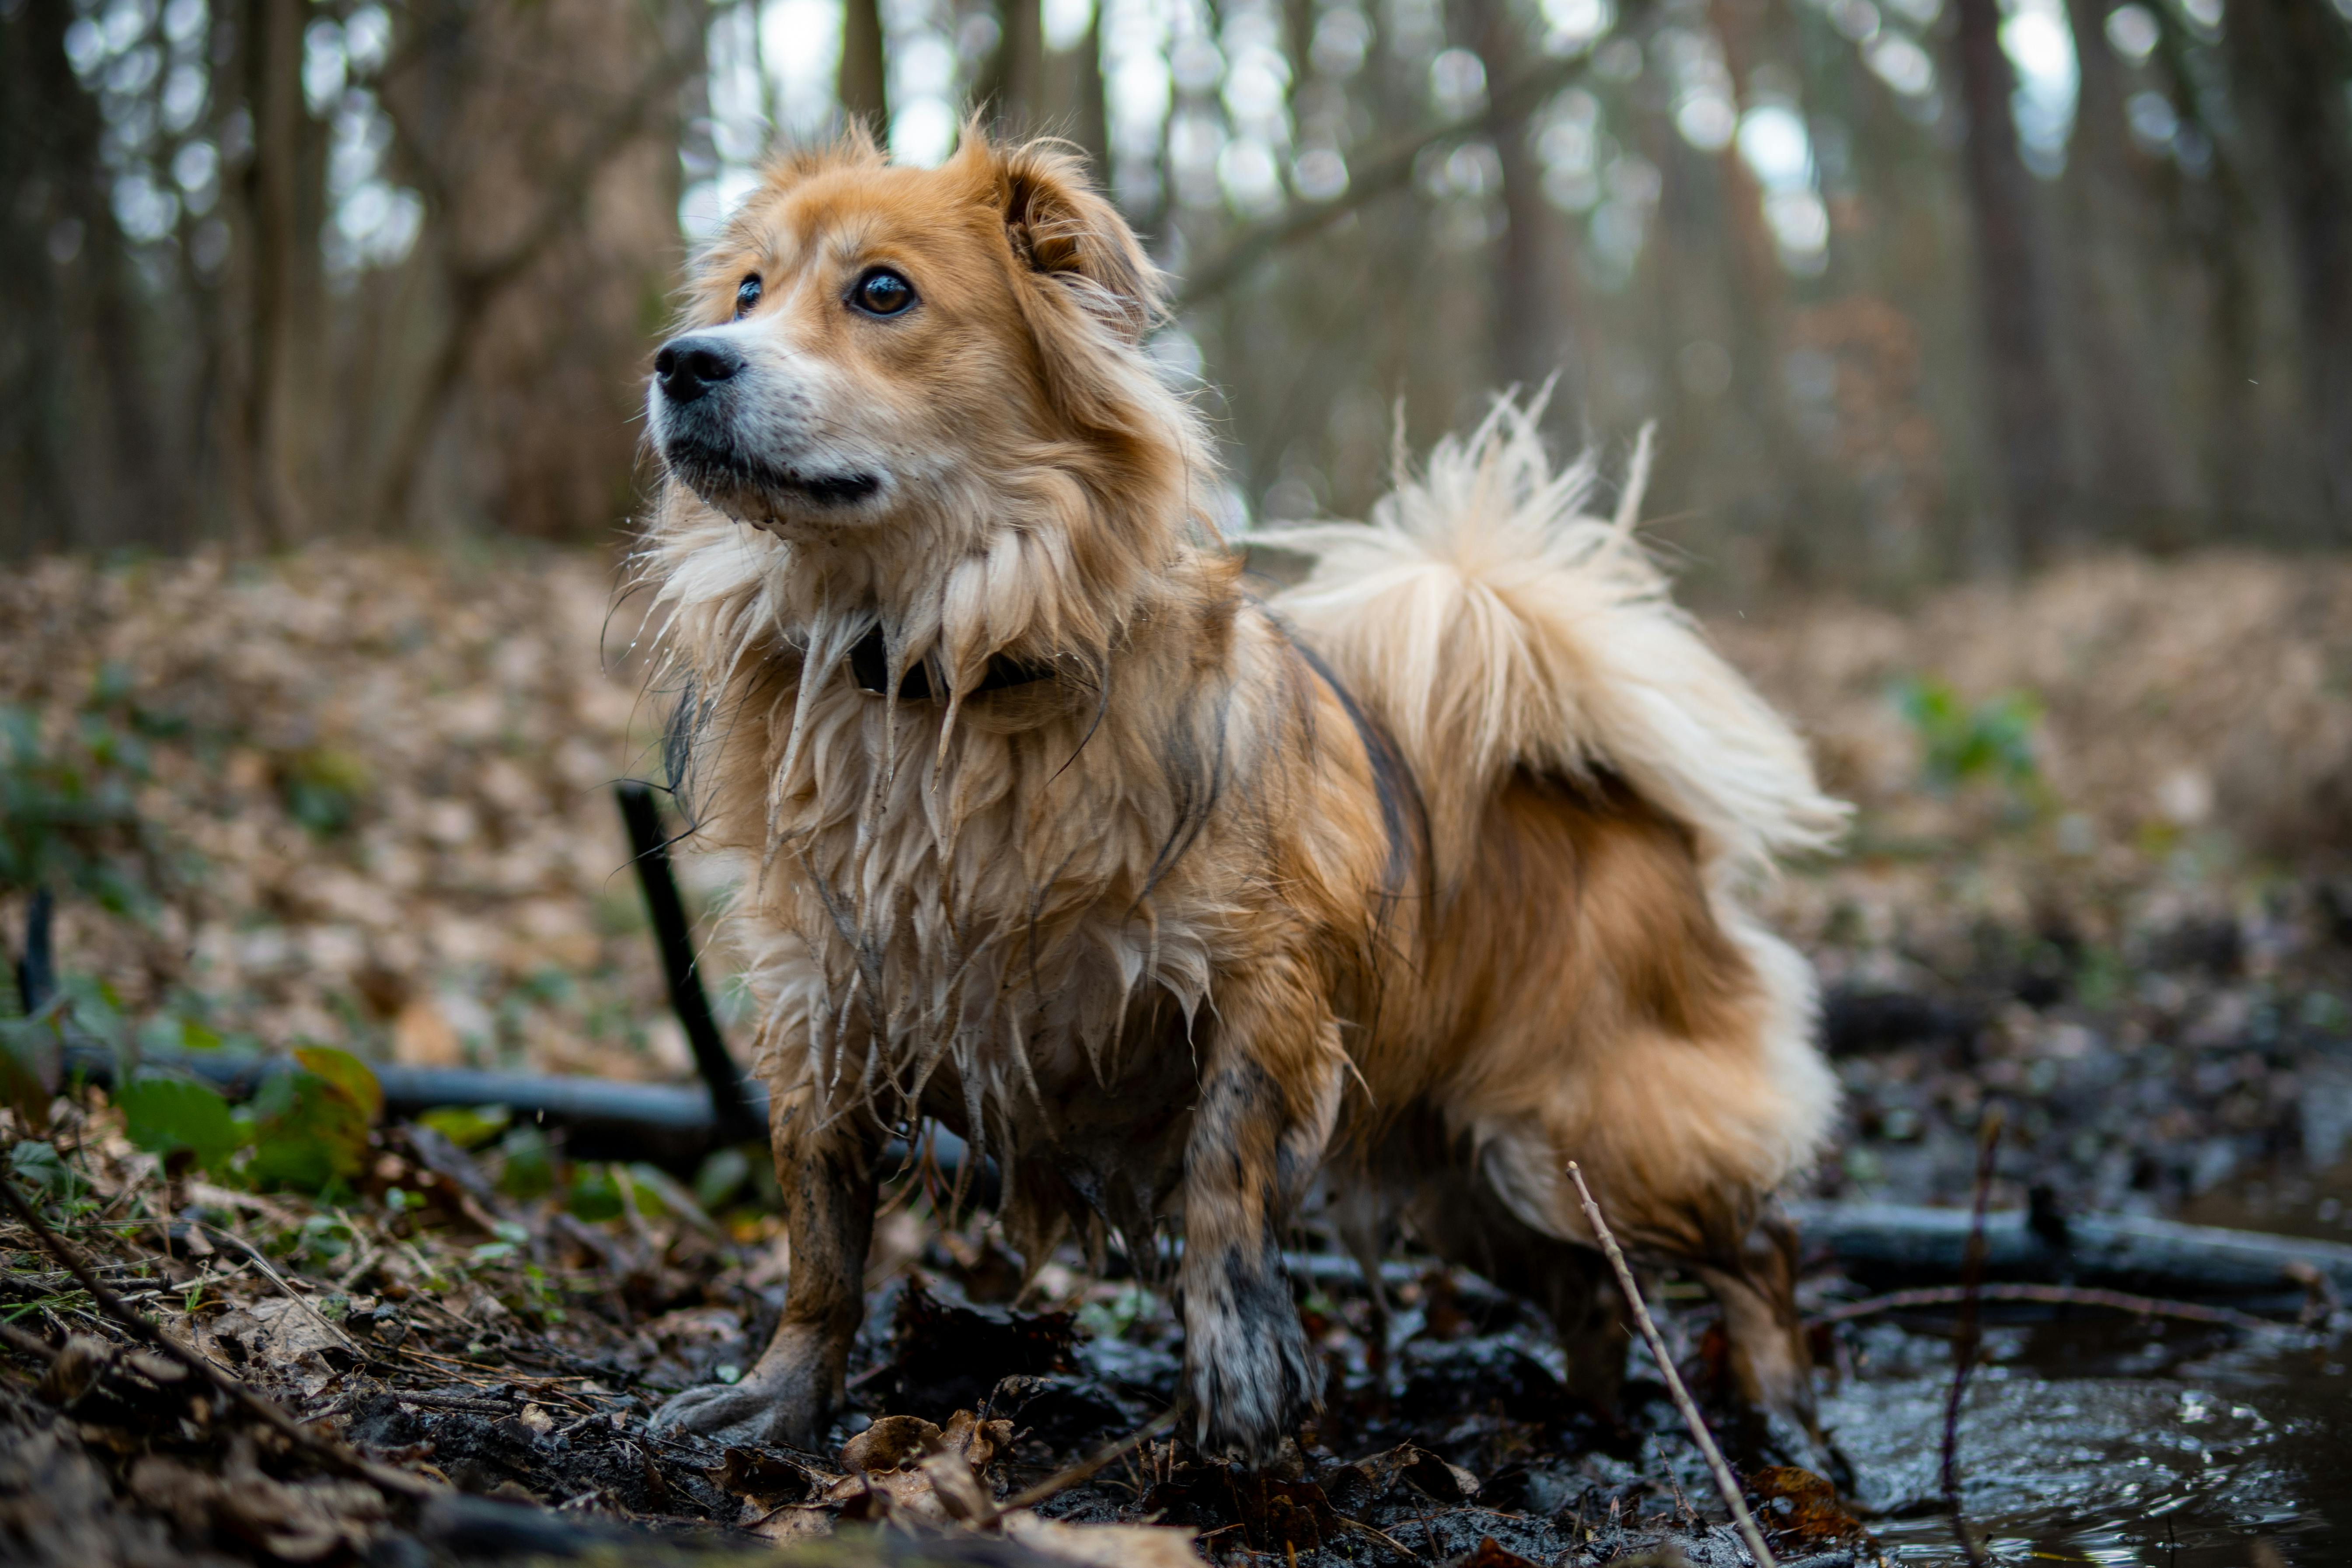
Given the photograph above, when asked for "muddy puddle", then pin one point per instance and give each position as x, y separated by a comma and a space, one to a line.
2107, 1443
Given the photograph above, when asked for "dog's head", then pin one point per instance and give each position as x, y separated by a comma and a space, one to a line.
870, 345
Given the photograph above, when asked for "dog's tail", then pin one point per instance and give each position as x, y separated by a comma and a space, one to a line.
1492, 625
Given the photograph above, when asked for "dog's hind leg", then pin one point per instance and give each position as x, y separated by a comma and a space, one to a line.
827, 1172
1458, 1217
1270, 1087
1768, 1363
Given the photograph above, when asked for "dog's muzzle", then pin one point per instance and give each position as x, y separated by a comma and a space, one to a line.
702, 436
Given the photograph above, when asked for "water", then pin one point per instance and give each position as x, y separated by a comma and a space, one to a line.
2107, 1441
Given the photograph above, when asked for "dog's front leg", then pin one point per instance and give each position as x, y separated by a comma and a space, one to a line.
1269, 1092
793, 1394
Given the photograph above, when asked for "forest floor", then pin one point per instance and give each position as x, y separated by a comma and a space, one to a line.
358, 800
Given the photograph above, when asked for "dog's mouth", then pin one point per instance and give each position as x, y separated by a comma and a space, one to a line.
747, 486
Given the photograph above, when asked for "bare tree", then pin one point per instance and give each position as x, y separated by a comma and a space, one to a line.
862, 86
78, 429
2026, 424
1012, 90
2290, 61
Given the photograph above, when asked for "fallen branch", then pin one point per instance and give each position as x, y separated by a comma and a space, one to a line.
2046, 1295
1966, 1342
730, 1107
1085, 1468
329, 1453
1725, 1486
17, 1339
270, 1271
1906, 1244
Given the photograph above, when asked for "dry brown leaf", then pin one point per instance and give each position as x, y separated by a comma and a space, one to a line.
1106, 1545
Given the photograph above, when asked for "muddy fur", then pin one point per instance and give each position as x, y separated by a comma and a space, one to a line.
1420, 878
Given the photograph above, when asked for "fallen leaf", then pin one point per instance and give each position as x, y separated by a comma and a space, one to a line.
1801, 1508
1106, 1545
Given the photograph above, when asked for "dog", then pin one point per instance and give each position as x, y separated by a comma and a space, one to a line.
1410, 884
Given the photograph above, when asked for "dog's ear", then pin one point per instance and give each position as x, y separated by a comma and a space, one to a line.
1063, 232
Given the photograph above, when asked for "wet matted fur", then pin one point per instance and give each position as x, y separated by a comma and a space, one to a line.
1417, 880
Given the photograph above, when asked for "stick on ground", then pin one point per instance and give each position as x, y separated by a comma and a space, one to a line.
1085, 1468
2051, 1296
1965, 1342
330, 1455
1723, 1485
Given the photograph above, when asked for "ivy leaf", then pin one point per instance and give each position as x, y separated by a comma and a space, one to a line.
312, 1123
468, 1126
165, 1112
351, 1078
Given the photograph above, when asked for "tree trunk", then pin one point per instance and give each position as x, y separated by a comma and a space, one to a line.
2026, 417
2290, 59
1074, 106
1012, 92
1529, 292
81, 456
864, 87
281, 271
2135, 490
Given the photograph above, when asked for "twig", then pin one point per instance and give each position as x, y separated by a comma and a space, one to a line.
1032, 1496
1723, 1485
1965, 1343
330, 1454
2048, 1295
1383, 1536
1380, 171
454, 1402
33, 1345
287, 1290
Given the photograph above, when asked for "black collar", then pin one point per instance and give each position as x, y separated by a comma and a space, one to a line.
869, 663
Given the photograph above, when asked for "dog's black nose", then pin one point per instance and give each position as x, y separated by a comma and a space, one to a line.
692, 366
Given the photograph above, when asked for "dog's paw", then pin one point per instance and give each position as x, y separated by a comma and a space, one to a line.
1248, 1371
755, 1412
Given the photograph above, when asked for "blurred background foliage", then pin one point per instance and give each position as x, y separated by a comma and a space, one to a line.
1916, 291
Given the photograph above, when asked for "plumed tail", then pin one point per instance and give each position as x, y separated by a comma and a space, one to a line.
1493, 625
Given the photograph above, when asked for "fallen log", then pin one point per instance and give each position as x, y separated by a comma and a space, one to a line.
664, 1124
1881, 1245
1907, 1244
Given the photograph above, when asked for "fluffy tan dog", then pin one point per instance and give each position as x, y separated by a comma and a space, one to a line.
1417, 880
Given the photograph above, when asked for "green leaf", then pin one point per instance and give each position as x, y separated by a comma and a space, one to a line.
528, 1168
350, 1077
595, 1196
468, 1126
37, 1163
165, 1112
313, 1122
721, 1176
324, 788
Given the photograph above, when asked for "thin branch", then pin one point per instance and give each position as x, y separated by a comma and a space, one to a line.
17, 1339
329, 1453
1965, 1343
475, 283
1085, 1468
1727, 1488
1382, 170
287, 1290
2052, 1296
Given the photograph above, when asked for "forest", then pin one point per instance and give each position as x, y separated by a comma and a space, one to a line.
377, 1153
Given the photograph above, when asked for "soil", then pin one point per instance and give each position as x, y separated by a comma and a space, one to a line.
386, 802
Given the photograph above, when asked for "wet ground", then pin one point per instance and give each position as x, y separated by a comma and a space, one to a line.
2107, 1443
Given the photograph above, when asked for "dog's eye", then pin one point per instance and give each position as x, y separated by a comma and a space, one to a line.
746, 294
882, 292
